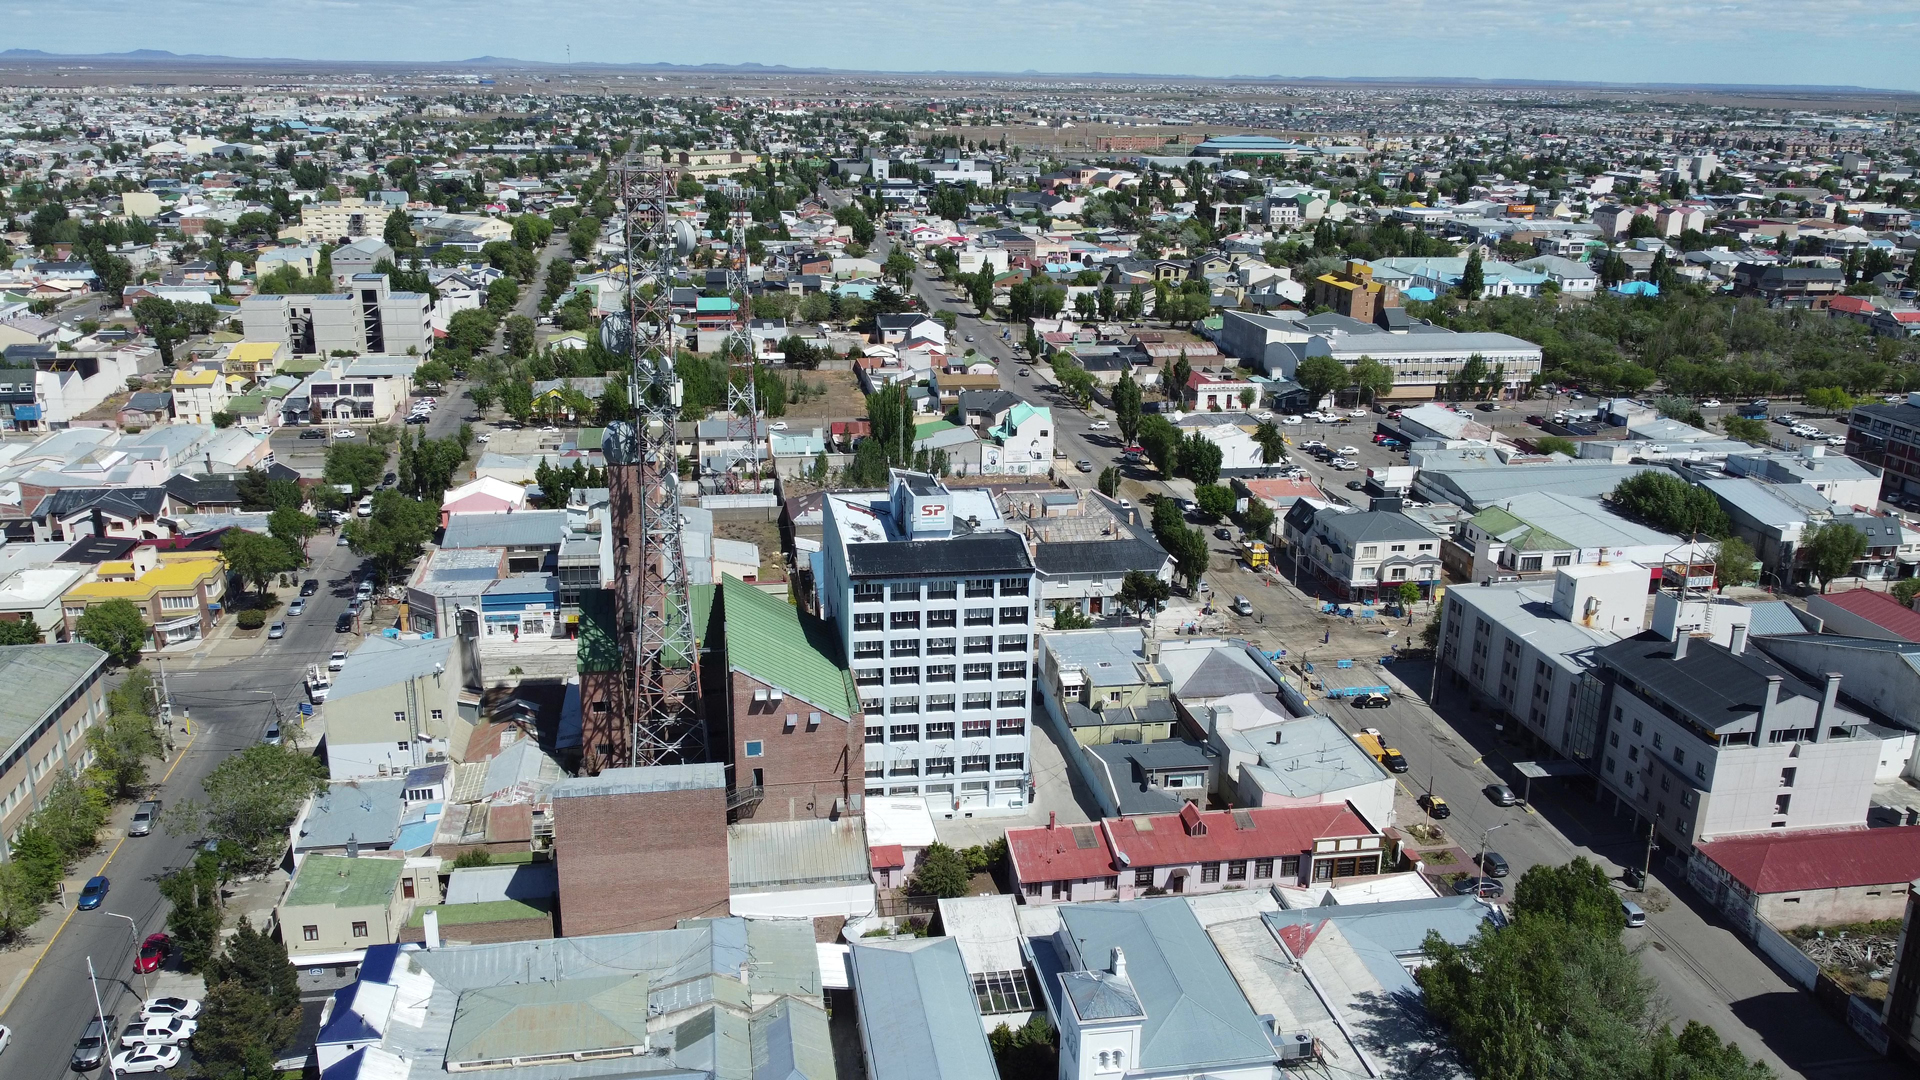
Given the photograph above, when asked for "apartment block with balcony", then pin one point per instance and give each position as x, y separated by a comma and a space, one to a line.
1710, 740
367, 319
933, 602
179, 593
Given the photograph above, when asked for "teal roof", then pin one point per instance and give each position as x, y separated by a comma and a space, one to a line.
771, 641
1020, 414
714, 303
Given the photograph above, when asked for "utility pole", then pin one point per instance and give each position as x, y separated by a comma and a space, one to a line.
1484, 836
1646, 865
100, 1014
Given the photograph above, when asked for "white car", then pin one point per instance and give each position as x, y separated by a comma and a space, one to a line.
344, 433
1710, 403
158, 1031
549, 430
334, 663
1356, 412
146, 1059
778, 425
483, 437
1291, 420
1099, 425
1836, 440
1348, 451
5, 1038
1263, 414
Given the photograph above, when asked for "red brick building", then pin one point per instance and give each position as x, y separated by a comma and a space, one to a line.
640, 849
787, 719
1194, 851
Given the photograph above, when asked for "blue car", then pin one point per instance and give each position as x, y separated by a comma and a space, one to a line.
94, 892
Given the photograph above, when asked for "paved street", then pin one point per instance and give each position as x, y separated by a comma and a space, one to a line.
230, 697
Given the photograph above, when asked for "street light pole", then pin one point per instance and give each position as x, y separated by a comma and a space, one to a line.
133, 928
1646, 865
1483, 844
100, 1014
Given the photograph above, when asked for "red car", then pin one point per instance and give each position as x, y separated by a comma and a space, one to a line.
153, 953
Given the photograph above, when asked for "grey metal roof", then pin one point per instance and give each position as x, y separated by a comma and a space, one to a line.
380, 662
918, 1019
1129, 765
364, 812
1197, 1018
1773, 617
483, 884
1370, 526
1098, 558
522, 528
1715, 685
34, 680
803, 853
645, 779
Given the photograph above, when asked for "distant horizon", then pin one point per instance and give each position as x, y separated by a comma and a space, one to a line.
1845, 46
135, 56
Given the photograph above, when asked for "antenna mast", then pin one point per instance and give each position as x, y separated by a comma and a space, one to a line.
659, 663
743, 406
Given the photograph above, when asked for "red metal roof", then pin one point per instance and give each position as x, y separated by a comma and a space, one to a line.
1879, 609
1851, 305
1822, 859
1067, 852
887, 857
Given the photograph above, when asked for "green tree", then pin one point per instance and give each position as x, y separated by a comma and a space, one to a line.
394, 535
398, 233
258, 491
1373, 378
1191, 556
1670, 504
193, 891
1830, 550
1733, 561
251, 798
1140, 589
1258, 520
255, 960
254, 558
471, 331
1066, 617
517, 335
1200, 459
1577, 894
1126, 405
356, 464
1215, 501
162, 321
20, 632
941, 873
19, 901
1830, 399
115, 627
1026, 1053
1320, 375
1109, 486
293, 528
899, 268
231, 1041
1273, 445
1554, 444
516, 397
126, 739
1905, 589
1473, 279
1747, 431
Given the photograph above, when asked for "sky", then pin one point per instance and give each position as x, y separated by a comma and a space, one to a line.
1768, 42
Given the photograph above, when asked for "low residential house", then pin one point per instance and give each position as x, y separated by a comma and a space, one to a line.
371, 387
1208, 392
179, 594
1021, 443
483, 495
917, 1013
146, 408
1149, 778
256, 361
1574, 278
1105, 670
1789, 286
134, 512
33, 579
1363, 553
396, 705
199, 393
1193, 851
50, 695
901, 328
342, 904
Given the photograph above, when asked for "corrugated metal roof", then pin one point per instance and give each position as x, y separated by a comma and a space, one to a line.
35, 679
644, 780
538, 1018
380, 662
807, 852
770, 640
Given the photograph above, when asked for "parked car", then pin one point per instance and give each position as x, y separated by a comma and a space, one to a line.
1356, 485
91, 1048
1435, 806
144, 816
277, 630
298, 607
1484, 887
272, 735
1099, 425
1493, 864
1223, 533
171, 1006
1372, 701
344, 433
93, 893
1394, 760
1291, 420
1634, 913
309, 586
153, 953
337, 661
1084, 465
6, 1037
143, 1059
1242, 606
343, 624
1500, 795
313, 433
1710, 403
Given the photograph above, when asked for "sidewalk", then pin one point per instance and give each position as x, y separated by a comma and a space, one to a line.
19, 961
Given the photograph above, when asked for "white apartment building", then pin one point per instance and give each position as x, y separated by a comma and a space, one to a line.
1710, 740
349, 219
368, 318
934, 602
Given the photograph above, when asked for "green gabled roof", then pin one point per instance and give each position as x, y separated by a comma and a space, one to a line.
1495, 522
1538, 540
931, 427
770, 640
1517, 532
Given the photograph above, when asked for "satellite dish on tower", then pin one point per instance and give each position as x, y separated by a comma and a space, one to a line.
615, 334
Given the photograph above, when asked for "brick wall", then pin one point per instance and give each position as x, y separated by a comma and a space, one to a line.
802, 771
640, 861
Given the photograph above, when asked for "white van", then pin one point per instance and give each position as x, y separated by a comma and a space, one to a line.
1636, 916
365, 507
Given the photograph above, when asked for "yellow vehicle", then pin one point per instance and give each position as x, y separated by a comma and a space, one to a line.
1254, 553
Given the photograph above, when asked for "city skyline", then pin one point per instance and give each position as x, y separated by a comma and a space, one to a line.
1787, 44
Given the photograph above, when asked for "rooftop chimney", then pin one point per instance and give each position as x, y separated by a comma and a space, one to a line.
1119, 963
1766, 710
1827, 702
1052, 818
1738, 644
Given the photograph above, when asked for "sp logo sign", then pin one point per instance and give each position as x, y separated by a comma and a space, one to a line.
933, 510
